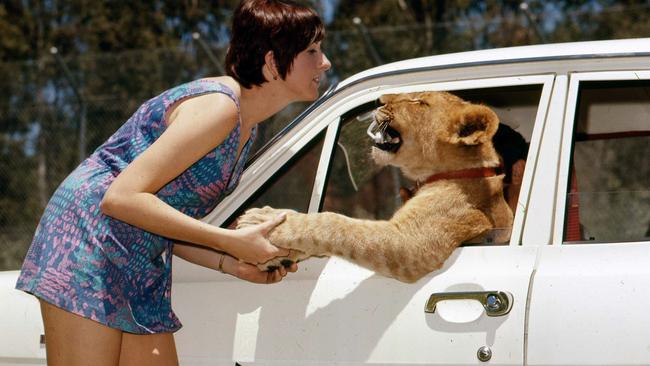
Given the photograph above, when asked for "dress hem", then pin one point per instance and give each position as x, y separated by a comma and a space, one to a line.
63, 304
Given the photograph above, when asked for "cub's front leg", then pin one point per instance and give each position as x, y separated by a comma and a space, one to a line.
309, 235
376, 245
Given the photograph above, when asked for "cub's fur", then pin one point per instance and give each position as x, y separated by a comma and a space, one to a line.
437, 132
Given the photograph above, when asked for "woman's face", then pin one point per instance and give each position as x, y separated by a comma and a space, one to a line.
306, 72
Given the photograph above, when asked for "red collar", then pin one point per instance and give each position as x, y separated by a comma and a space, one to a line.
462, 174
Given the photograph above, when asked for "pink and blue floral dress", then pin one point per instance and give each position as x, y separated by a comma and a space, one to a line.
107, 270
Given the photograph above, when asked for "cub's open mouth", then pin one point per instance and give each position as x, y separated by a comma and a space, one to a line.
385, 137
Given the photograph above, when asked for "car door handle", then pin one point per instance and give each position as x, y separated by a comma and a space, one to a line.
496, 303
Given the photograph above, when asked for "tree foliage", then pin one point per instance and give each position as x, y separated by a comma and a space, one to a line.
119, 53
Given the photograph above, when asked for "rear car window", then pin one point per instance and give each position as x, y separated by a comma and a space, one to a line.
608, 198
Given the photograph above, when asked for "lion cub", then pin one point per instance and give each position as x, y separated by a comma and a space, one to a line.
438, 140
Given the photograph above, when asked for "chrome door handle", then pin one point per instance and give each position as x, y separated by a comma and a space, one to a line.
496, 303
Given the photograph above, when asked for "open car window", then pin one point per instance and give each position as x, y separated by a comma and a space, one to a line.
608, 198
357, 187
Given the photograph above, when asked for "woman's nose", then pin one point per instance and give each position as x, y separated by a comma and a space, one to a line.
326, 64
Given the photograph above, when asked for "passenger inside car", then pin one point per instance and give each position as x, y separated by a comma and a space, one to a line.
513, 149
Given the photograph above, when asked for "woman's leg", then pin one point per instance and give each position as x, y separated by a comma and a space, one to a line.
151, 349
72, 340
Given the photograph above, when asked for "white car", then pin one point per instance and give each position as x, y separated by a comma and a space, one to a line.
572, 287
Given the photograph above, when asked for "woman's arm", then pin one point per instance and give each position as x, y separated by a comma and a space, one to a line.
222, 262
197, 126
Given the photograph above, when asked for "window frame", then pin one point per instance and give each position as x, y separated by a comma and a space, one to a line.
263, 168
544, 80
567, 140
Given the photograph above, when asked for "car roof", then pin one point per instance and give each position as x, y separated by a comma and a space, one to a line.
570, 50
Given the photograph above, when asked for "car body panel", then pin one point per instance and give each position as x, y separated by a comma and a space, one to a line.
346, 315
589, 305
20, 325
589, 301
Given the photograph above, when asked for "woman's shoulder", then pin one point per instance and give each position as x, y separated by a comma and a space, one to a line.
216, 106
226, 81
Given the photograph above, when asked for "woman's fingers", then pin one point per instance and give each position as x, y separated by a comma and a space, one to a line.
270, 224
280, 252
266, 229
251, 273
275, 276
283, 271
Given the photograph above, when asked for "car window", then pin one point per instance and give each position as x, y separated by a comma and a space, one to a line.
357, 187
291, 187
608, 198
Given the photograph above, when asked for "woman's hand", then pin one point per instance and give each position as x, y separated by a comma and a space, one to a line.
251, 243
251, 273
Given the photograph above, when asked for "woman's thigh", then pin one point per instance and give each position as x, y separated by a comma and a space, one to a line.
150, 349
72, 340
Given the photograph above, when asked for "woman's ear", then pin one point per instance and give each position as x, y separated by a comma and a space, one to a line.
269, 63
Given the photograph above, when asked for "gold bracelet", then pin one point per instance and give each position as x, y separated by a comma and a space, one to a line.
220, 267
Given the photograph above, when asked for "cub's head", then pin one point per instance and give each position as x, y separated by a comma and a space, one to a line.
431, 132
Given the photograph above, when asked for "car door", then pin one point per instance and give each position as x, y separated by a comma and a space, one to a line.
590, 291
332, 312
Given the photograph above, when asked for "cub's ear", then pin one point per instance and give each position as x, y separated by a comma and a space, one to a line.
473, 125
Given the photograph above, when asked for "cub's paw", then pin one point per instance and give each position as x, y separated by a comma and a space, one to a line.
294, 256
256, 216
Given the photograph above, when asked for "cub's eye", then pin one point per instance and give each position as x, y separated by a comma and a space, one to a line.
418, 102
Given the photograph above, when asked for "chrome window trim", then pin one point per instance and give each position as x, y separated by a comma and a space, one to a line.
546, 82
538, 221
567, 136
323, 166
286, 145
532, 159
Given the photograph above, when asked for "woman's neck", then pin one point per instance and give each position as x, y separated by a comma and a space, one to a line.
260, 103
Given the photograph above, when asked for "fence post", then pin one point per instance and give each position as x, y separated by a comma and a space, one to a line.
81, 153
361, 28
531, 20
213, 59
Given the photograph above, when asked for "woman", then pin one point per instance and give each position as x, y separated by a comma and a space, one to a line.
100, 262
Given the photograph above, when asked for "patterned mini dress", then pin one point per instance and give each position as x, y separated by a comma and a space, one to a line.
107, 270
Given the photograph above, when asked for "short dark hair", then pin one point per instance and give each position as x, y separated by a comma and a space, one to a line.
512, 147
282, 26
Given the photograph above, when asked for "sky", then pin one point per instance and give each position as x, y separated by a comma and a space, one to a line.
328, 7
